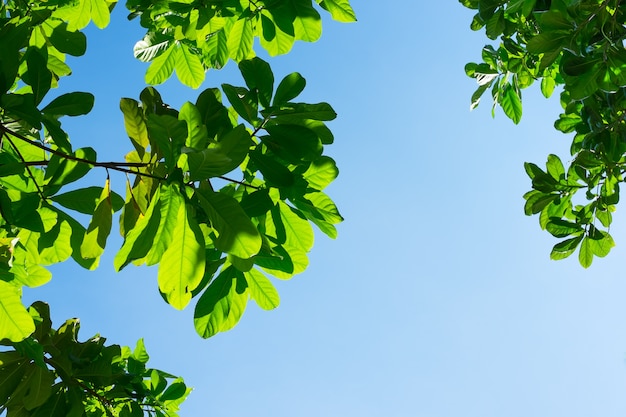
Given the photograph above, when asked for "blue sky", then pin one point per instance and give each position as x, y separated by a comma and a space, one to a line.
437, 299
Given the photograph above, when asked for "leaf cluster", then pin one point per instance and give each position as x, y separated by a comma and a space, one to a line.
213, 243
52, 374
221, 194
578, 47
190, 37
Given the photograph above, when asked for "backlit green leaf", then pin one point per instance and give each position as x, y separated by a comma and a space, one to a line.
99, 226
511, 103
262, 291
182, 265
84, 200
585, 255
235, 232
221, 306
162, 66
15, 322
171, 201
340, 10
240, 40
189, 68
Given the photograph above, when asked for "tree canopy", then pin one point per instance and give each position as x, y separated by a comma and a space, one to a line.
575, 47
221, 194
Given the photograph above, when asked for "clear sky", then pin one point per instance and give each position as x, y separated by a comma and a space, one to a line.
438, 299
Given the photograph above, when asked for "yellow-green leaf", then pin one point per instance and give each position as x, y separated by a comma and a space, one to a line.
221, 306
15, 322
340, 10
100, 13
171, 202
236, 233
162, 66
99, 226
262, 291
189, 68
240, 40
182, 264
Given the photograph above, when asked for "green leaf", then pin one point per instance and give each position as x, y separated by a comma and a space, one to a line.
15, 322
293, 143
99, 226
257, 203
262, 291
135, 124
162, 66
289, 88
197, 136
220, 158
565, 248
511, 103
12, 373
240, 40
259, 77
85, 200
585, 256
297, 230
567, 123
189, 68
70, 104
151, 46
340, 10
221, 306
68, 41
213, 113
140, 238
182, 266
562, 228
602, 246
243, 101
555, 167
35, 388
321, 172
547, 86
100, 14
274, 39
167, 136
38, 76
215, 51
307, 23
297, 111
175, 391
236, 234
547, 42
62, 171
55, 245
273, 172
21, 107
171, 201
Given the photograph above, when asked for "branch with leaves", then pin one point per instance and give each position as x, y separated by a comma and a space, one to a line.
578, 47
217, 246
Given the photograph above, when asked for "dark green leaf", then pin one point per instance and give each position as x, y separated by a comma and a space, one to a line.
289, 88
70, 104
84, 200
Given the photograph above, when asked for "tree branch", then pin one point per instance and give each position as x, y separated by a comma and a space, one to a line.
30, 173
116, 166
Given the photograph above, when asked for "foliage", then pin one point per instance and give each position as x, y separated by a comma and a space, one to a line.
577, 46
51, 373
218, 194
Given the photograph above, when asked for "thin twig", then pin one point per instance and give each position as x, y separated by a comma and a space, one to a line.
116, 166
